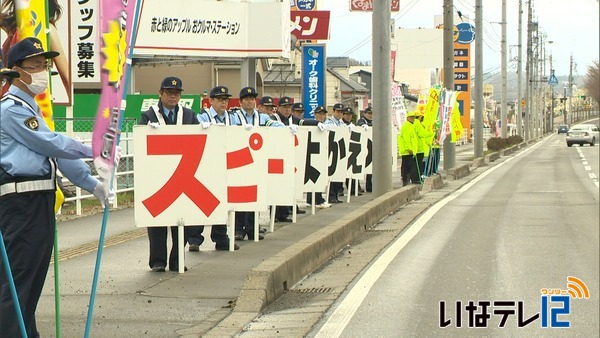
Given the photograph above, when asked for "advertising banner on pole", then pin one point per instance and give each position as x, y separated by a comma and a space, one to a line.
313, 77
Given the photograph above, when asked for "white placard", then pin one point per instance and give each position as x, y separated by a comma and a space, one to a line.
357, 149
369, 156
338, 153
213, 28
281, 163
300, 161
316, 160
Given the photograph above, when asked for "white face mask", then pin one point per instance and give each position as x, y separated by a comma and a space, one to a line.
39, 82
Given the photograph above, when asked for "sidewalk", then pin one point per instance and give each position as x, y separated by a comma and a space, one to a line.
132, 301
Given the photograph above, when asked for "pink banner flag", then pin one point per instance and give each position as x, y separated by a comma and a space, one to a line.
116, 24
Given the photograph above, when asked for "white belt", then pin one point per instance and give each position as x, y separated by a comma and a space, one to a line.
28, 186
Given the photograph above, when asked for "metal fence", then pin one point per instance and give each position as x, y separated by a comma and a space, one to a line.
82, 129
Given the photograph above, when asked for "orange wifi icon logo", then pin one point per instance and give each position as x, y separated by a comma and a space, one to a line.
577, 288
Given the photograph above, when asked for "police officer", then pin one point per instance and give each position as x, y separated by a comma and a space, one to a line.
29, 155
217, 114
336, 188
266, 106
244, 220
168, 111
347, 115
320, 115
298, 110
366, 121
285, 116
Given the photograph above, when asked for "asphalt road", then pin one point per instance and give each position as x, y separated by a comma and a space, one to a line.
522, 226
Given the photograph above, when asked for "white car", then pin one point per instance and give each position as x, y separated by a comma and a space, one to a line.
583, 133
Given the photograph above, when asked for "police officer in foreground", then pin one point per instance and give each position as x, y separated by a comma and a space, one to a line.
29, 155
168, 111
266, 106
298, 110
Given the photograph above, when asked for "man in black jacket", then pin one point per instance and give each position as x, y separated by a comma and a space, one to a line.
167, 111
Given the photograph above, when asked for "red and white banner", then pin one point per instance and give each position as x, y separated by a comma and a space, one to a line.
367, 5
310, 25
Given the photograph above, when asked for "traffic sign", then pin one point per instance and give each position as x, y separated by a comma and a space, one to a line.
552, 81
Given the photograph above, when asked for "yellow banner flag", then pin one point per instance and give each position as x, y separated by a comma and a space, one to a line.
455, 124
432, 109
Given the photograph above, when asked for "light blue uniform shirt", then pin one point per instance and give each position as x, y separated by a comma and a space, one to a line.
263, 119
214, 117
25, 149
335, 122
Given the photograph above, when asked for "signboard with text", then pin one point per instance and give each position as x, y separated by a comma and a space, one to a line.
310, 25
313, 77
367, 5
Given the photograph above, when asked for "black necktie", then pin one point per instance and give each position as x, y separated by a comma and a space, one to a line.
171, 116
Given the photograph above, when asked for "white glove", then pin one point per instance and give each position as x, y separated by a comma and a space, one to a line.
294, 128
205, 125
153, 124
248, 126
104, 170
103, 195
117, 155
351, 126
321, 126
365, 127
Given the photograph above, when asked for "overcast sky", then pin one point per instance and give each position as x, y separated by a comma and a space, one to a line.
572, 26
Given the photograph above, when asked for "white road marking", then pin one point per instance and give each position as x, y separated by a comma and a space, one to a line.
341, 316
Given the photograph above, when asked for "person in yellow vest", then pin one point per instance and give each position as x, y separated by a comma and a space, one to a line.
407, 147
424, 137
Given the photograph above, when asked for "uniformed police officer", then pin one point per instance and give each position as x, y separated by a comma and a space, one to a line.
320, 116
367, 120
285, 116
250, 118
168, 111
29, 155
298, 110
217, 114
336, 188
266, 105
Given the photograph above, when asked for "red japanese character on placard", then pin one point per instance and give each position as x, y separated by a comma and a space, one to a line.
182, 181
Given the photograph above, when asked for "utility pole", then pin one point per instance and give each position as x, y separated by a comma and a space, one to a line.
571, 89
519, 71
382, 132
449, 155
528, 74
503, 106
478, 86
535, 82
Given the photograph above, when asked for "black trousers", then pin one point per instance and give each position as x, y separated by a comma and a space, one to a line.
334, 189
408, 161
158, 246
417, 168
369, 183
27, 224
318, 198
282, 212
244, 223
218, 234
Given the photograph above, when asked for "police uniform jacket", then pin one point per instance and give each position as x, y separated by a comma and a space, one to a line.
363, 120
292, 119
257, 118
28, 148
334, 122
157, 112
211, 115
407, 140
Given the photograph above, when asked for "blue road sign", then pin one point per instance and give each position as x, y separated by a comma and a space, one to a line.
553, 81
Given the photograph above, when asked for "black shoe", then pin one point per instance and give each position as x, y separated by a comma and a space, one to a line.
176, 268
300, 211
335, 201
262, 230
194, 247
287, 220
158, 268
225, 247
251, 237
239, 237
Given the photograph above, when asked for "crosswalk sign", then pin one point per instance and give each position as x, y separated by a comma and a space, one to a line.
553, 81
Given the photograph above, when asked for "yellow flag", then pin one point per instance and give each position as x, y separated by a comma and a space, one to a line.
455, 124
432, 109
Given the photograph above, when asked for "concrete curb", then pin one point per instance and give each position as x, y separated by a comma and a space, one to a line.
432, 182
458, 172
478, 162
268, 281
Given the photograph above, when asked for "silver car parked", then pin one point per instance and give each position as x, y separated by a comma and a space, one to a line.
583, 133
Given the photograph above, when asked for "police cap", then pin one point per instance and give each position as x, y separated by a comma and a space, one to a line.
298, 106
248, 92
348, 110
285, 101
8, 72
320, 110
171, 82
266, 101
219, 91
338, 106
368, 110
26, 48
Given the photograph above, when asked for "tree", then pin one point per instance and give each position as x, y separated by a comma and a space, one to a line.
591, 83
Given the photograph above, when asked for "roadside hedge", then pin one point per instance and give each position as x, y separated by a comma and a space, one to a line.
498, 143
